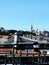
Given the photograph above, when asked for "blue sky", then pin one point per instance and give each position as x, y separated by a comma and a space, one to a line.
20, 14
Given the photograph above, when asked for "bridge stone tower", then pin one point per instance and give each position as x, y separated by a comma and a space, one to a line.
17, 37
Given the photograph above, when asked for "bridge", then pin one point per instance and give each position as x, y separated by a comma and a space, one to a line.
14, 53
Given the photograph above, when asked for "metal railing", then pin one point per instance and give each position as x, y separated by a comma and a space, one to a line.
18, 59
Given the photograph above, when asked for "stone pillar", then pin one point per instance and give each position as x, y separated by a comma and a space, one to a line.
15, 38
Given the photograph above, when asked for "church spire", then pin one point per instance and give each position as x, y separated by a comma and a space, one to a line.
31, 27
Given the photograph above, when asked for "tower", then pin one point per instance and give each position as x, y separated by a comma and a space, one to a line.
31, 30
15, 38
31, 27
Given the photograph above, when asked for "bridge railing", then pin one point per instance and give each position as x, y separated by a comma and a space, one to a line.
36, 46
